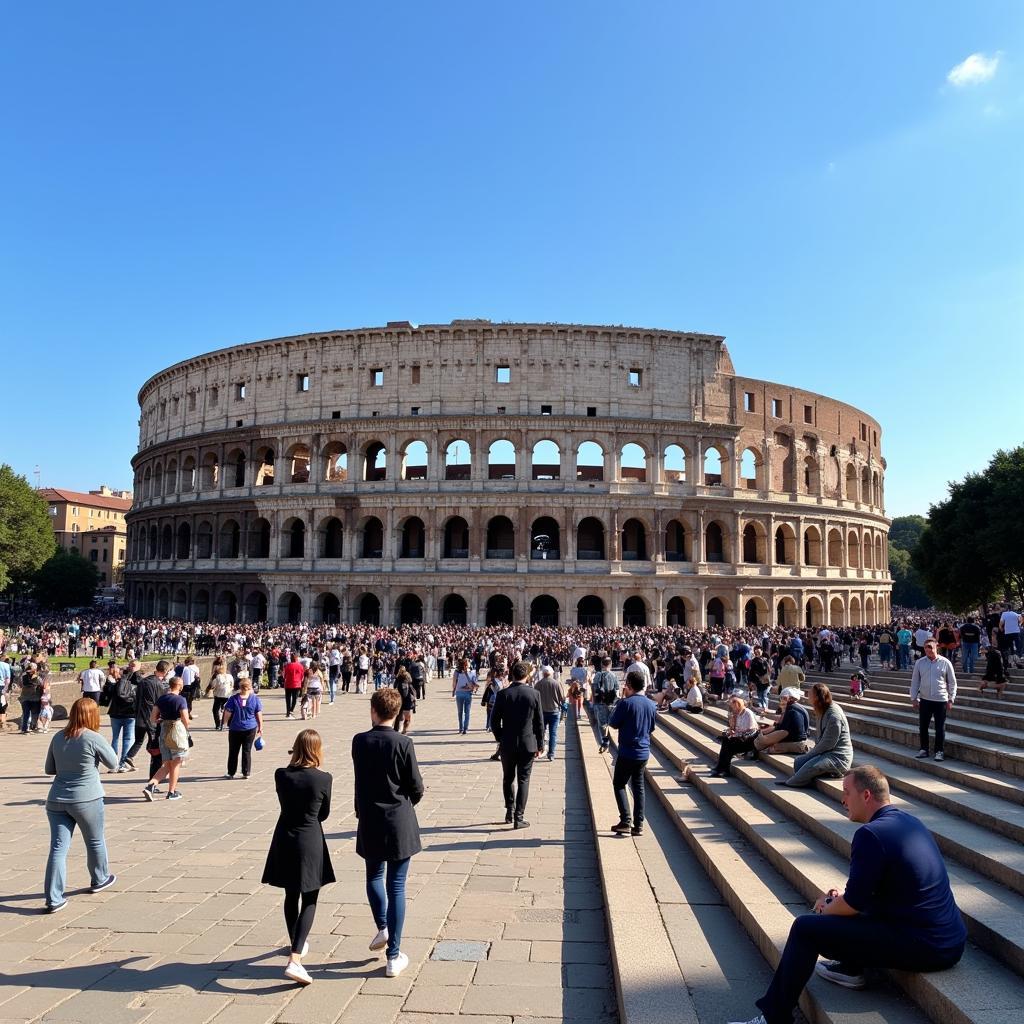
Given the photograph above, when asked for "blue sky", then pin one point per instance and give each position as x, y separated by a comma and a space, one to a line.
808, 179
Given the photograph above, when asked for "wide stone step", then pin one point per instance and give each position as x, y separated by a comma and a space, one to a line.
994, 914
963, 715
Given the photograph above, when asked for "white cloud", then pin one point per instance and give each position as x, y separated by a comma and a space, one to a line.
973, 70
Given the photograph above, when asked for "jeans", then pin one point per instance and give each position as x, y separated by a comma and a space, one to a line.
925, 711
857, 942
463, 702
332, 685
811, 766
123, 730
628, 770
551, 720
30, 714
388, 904
515, 780
63, 819
903, 656
970, 655
240, 740
602, 712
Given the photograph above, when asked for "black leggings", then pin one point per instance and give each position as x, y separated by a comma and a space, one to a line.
240, 740
299, 922
218, 706
291, 698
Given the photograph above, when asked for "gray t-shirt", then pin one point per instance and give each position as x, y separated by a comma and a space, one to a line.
75, 765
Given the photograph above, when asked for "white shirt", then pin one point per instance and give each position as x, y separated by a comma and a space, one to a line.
922, 634
92, 680
690, 666
1010, 621
189, 674
641, 667
933, 680
695, 698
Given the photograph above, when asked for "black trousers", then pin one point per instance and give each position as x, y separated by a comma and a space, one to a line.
218, 706
515, 780
731, 746
291, 698
240, 740
299, 921
631, 772
925, 711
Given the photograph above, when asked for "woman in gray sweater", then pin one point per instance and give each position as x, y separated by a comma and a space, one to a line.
76, 798
832, 755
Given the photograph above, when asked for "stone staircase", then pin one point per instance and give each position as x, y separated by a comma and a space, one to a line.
770, 851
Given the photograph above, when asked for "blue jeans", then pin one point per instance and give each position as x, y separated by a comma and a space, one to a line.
388, 905
970, 654
30, 714
904, 655
463, 702
332, 684
551, 720
63, 819
123, 730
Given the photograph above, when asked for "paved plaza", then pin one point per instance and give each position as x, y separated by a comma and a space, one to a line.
503, 926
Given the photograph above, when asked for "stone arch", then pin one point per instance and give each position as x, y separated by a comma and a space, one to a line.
411, 538
158, 480
332, 538
544, 611
876, 493
676, 546
814, 612
856, 618
458, 460
454, 610
851, 482
546, 461
153, 539
147, 482
456, 538
254, 608
589, 461
501, 538
835, 548
716, 613
289, 607
230, 539
167, 541
867, 551
633, 462
811, 475
785, 612
673, 464
590, 544
716, 461
755, 611
184, 543
415, 461
371, 538
179, 603
259, 539
634, 611
335, 459
634, 541
367, 609
812, 546
226, 608
714, 542
409, 609
204, 539
234, 468
679, 611
853, 550
297, 459
375, 461
751, 469
163, 603
327, 608
200, 605
869, 611
499, 611
210, 472
545, 539
785, 544
590, 611
171, 485
293, 538
879, 553
836, 612
263, 464
754, 543
501, 460
188, 474
865, 488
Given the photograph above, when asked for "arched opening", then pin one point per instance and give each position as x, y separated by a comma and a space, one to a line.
373, 539
188, 474
501, 538
675, 612
785, 545
675, 542
204, 540
158, 480
235, 466
545, 539
264, 463
501, 461
835, 548
293, 539
785, 612
545, 461
835, 612
812, 546
255, 607
879, 550
329, 608
869, 611
259, 539
167, 541
853, 550
227, 607
750, 613
590, 539
458, 461
184, 548
454, 611
289, 607
375, 462
412, 538
750, 469
163, 604
750, 544
674, 464
211, 472
369, 610
714, 460
590, 461
200, 606
634, 612
633, 463
298, 464
179, 602
856, 619
812, 475
716, 612
876, 493
499, 611
814, 613
851, 482
415, 459
154, 541
544, 611
714, 543
230, 542
456, 538
410, 610
147, 482
170, 485
590, 611
332, 538
335, 462
867, 551
634, 541
865, 488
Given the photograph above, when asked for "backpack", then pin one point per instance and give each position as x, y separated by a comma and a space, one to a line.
603, 687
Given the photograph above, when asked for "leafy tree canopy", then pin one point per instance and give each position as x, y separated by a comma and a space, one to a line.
906, 531
26, 534
66, 580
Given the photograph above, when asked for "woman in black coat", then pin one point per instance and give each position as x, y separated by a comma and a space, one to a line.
387, 788
298, 861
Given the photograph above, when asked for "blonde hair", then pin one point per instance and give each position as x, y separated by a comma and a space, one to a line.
307, 750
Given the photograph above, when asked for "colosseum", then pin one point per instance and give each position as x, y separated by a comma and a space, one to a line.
502, 473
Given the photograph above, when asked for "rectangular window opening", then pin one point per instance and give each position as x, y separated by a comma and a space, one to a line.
503, 375
191, 401
635, 377
748, 401
501, 408
591, 410
303, 381
545, 410
808, 414
336, 414
415, 375
777, 408
377, 378
238, 423
214, 395
415, 410
239, 392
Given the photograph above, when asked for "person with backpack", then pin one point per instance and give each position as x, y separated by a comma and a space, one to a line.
605, 691
121, 693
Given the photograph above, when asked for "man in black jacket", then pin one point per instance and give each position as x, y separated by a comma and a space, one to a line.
518, 726
148, 691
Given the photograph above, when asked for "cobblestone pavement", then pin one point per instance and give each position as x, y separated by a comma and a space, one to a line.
189, 935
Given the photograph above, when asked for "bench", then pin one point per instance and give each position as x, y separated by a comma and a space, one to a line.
65, 666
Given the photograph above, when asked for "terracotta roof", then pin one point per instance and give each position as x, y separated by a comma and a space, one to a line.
88, 500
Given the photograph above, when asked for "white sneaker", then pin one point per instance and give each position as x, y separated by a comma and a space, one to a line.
940, 756
921, 755
759, 1019
380, 940
396, 966
297, 973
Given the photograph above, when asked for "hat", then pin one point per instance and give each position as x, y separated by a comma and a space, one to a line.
546, 670
686, 650
792, 692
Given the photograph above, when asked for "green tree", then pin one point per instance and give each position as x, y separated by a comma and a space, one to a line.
906, 531
26, 534
66, 580
1001, 536
907, 590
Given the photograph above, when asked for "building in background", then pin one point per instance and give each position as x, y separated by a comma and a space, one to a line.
92, 524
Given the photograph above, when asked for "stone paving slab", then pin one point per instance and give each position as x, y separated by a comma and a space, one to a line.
189, 934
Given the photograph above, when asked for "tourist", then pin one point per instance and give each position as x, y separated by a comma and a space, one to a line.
995, 671
243, 717
32, 688
464, 685
147, 690
738, 737
221, 685
387, 788
407, 692
635, 718
790, 674
123, 702
932, 692
897, 911
170, 716
788, 733
832, 754
91, 681
6, 675
189, 681
578, 682
298, 860
604, 689
518, 726
552, 700
292, 675
75, 799
312, 690
970, 644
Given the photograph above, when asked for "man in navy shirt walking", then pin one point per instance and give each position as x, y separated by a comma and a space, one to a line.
897, 911
634, 716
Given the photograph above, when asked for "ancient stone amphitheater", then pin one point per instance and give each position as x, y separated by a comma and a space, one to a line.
500, 472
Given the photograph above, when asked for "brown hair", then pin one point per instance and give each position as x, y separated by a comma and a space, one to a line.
307, 750
84, 714
387, 702
868, 777
821, 695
